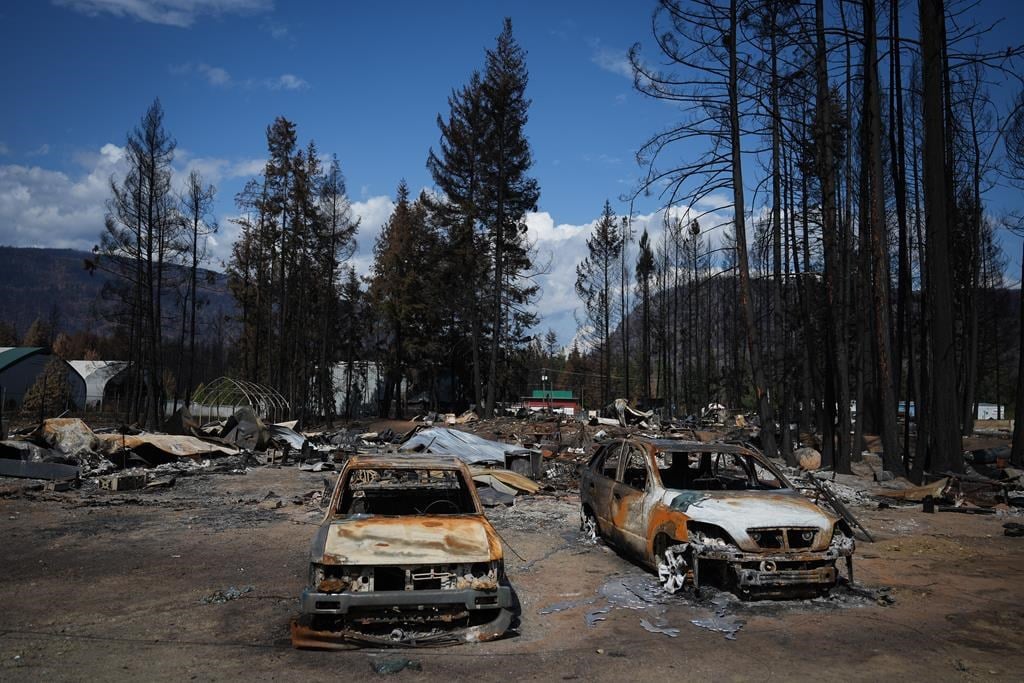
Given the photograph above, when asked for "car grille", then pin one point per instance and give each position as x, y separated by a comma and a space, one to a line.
785, 538
339, 578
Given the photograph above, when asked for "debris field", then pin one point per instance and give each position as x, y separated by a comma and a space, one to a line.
183, 555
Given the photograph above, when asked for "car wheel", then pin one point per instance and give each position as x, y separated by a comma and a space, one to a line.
588, 526
672, 568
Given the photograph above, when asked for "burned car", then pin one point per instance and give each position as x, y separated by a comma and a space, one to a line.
716, 513
404, 556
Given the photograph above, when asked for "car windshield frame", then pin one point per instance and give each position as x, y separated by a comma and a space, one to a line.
752, 458
346, 492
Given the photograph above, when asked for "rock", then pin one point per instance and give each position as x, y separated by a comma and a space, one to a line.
808, 458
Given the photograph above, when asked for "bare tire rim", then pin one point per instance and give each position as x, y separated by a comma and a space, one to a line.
672, 569
588, 528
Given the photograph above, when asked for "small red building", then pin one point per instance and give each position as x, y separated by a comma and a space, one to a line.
561, 401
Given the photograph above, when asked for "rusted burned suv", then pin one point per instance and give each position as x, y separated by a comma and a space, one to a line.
716, 513
404, 556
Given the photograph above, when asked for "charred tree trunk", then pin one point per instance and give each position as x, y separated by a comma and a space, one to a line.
831, 246
1017, 452
753, 344
945, 452
892, 459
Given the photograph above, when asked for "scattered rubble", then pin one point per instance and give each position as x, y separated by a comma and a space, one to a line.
226, 595
545, 450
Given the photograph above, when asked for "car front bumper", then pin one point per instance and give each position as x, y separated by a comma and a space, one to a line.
779, 572
824, 577
339, 604
495, 605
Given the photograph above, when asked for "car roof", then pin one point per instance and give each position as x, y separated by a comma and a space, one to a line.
681, 446
412, 462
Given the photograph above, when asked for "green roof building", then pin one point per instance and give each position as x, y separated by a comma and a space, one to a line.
20, 366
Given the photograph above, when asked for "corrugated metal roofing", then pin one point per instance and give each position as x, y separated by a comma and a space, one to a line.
469, 448
9, 355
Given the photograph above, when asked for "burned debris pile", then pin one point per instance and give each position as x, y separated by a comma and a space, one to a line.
519, 452
706, 519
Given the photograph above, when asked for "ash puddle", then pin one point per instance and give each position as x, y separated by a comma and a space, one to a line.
713, 610
643, 592
639, 592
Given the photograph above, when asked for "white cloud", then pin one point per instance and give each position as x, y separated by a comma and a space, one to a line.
562, 247
277, 31
372, 214
286, 82
40, 151
180, 13
40, 207
44, 208
247, 168
215, 75
565, 245
219, 77
4, 149
611, 60
215, 170
602, 159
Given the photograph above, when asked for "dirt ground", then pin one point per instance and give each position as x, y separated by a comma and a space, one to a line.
99, 585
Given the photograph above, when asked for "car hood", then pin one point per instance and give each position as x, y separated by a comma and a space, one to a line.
737, 511
412, 539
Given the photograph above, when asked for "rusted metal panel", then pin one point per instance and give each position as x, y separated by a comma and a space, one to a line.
425, 539
170, 444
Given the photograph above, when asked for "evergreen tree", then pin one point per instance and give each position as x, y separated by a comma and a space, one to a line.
297, 230
595, 286
38, 334
50, 394
351, 325
400, 289
508, 192
8, 334
457, 169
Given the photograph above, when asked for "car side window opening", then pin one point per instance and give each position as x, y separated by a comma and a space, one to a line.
681, 469
634, 474
610, 464
598, 459
765, 478
733, 471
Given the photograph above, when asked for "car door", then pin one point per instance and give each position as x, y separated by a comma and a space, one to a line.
629, 499
600, 483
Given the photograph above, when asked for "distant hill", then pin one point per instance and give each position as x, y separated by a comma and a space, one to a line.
34, 281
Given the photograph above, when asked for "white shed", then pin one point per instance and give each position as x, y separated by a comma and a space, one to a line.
97, 374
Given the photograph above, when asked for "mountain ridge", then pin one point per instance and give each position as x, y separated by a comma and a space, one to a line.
48, 283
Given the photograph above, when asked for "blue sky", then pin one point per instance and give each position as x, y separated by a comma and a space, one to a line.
365, 80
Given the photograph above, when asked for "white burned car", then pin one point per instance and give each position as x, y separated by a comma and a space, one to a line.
712, 513
404, 556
